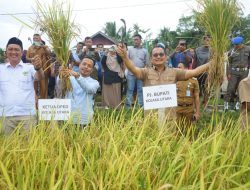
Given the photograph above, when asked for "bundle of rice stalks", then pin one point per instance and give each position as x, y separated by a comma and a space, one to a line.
55, 20
218, 18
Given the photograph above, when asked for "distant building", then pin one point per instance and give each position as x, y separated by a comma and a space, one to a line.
101, 38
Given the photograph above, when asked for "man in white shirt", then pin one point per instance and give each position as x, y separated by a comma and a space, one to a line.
17, 95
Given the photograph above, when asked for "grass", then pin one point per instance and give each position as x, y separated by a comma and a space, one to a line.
218, 17
121, 150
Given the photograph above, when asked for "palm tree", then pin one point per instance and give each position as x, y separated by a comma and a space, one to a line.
168, 37
138, 30
111, 30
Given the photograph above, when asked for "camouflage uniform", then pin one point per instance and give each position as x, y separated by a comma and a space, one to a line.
186, 91
238, 69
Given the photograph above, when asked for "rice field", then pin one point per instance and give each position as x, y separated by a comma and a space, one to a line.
121, 150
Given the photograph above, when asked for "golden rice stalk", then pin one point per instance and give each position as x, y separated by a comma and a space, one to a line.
218, 18
55, 20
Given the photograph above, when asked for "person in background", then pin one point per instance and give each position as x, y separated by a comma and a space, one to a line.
75, 57
24, 60
159, 74
202, 56
181, 55
188, 98
101, 51
52, 78
38, 48
244, 91
140, 58
112, 79
89, 51
237, 69
83, 90
17, 102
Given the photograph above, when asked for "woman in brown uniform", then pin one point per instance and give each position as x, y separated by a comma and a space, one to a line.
188, 98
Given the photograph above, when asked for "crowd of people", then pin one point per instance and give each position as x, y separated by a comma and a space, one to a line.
34, 74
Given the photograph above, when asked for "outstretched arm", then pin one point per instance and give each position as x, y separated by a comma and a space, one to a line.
129, 65
197, 71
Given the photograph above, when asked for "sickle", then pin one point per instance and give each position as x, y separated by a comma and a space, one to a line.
124, 31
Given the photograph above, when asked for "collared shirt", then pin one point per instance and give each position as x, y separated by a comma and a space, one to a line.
139, 57
82, 100
150, 77
183, 96
17, 94
239, 58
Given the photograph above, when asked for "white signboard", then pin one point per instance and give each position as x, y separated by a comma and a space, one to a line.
56, 109
161, 96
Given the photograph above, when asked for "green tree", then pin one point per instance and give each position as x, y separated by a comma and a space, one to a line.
1, 55
110, 29
189, 29
169, 38
136, 29
243, 28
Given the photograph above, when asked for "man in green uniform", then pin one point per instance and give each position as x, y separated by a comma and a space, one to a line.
237, 69
188, 98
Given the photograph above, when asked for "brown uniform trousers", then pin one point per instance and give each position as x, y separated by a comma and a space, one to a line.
185, 98
45, 57
238, 69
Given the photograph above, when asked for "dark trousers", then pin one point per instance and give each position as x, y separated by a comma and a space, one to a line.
233, 84
51, 87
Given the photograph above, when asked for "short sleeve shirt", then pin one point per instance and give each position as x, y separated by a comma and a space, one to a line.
182, 87
151, 77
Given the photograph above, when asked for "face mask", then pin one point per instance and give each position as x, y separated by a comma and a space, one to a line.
36, 43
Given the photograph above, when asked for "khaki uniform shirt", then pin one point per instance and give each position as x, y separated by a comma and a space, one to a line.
183, 97
151, 77
244, 90
186, 91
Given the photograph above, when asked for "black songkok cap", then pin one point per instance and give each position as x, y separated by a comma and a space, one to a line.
16, 41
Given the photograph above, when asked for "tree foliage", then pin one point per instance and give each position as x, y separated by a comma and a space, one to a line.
111, 29
1, 55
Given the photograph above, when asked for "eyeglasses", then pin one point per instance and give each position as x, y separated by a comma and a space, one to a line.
158, 54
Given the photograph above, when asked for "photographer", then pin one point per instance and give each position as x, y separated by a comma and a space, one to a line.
112, 79
89, 51
181, 55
